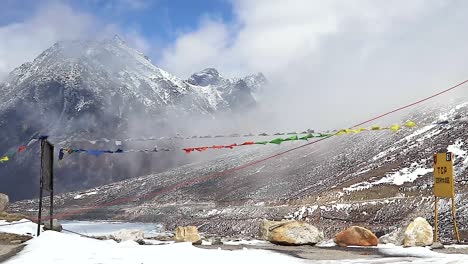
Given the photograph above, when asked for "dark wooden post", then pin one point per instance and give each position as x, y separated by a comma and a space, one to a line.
39, 214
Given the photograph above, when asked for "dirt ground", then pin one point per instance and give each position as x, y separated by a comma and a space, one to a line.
326, 253
11, 244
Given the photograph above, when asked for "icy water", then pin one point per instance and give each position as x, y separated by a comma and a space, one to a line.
101, 228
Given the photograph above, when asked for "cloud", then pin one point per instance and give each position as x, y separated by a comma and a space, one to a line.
56, 21
332, 62
23, 41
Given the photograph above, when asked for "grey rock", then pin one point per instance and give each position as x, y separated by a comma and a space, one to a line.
129, 235
56, 226
437, 245
4, 202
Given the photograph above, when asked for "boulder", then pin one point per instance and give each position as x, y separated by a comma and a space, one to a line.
56, 226
290, 233
4, 202
187, 234
356, 236
395, 237
437, 245
129, 235
418, 233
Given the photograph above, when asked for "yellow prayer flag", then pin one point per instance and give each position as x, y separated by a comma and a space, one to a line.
395, 128
4, 158
376, 128
360, 129
410, 124
341, 132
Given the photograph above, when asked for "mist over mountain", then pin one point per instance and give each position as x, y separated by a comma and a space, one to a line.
105, 89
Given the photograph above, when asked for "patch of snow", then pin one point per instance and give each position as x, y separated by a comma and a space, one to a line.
419, 132
54, 247
326, 243
400, 177
22, 227
404, 175
456, 246
457, 149
157, 242
79, 196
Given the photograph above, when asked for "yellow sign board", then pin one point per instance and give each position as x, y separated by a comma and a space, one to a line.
443, 175
443, 187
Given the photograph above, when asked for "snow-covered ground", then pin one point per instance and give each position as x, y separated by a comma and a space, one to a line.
22, 227
53, 247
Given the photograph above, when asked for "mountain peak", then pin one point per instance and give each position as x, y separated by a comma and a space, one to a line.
117, 39
208, 76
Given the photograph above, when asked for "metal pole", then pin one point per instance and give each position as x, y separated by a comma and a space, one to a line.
40, 192
455, 220
436, 238
51, 211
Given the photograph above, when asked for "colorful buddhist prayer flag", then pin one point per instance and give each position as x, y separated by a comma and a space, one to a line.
276, 141
410, 124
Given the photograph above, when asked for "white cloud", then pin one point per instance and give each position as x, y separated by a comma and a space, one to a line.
332, 62
56, 21
20, 42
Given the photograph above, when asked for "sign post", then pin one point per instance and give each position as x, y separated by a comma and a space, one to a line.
444, 187
46, 179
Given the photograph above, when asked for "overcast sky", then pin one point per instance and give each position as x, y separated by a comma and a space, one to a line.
329, 63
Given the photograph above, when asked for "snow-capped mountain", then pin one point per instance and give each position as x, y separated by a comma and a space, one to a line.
228, 93
103, 89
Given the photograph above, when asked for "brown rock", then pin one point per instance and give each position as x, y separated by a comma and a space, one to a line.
187, 234
356, 236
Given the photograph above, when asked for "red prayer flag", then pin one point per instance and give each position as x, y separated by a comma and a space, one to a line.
188, 150
21, 149
217, 147
248, 143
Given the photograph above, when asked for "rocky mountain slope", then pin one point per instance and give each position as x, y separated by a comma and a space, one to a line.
102, 89
376, 179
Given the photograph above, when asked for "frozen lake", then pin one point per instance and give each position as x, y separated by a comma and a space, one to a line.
100, 228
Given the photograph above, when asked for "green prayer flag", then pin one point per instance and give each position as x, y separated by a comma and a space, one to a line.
306, 137
262, 142
291, 138
276, 141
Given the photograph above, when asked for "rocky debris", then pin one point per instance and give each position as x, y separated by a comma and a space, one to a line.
356, 236
418, 233
11, 217
216, 241
396, 237
16, 242
187, 234
437, 245
4, 202
290, 232
129, 235
7, 238
56, 226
